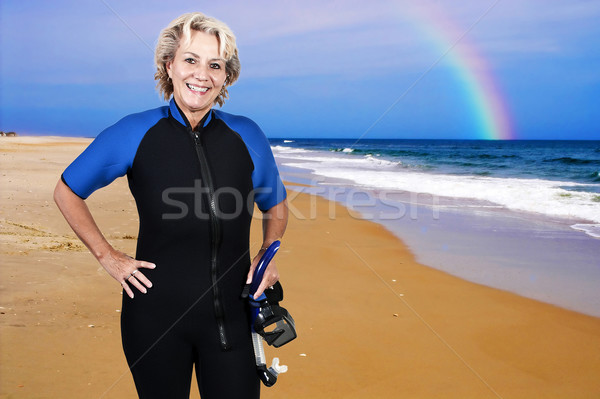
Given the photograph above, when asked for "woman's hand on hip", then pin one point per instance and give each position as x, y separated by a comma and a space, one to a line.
126, 271
121, 267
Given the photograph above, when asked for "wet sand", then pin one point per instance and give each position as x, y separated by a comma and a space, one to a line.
372, 322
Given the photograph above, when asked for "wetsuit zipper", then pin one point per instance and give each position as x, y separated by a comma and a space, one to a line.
215, 237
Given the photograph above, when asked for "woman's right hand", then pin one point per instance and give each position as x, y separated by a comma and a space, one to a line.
126, 271
120, 266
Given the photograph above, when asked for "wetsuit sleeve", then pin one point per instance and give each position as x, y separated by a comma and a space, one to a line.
268, 187
109, 156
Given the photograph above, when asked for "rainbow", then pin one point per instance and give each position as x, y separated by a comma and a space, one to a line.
481, 91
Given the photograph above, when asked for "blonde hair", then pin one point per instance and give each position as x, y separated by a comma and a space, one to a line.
181, 28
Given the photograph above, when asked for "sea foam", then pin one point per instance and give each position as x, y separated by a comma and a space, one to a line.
547, 197
590, 229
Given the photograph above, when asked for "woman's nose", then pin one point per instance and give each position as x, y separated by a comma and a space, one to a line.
201, 71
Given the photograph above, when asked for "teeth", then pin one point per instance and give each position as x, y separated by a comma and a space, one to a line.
196, 88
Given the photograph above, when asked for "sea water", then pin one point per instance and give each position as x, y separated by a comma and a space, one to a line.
523, 216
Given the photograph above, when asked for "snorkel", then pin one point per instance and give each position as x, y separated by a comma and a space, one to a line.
268, 321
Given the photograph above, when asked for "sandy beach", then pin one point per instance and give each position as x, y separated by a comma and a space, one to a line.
372, 322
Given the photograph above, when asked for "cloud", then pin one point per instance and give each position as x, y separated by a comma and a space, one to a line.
528, 28
71, 50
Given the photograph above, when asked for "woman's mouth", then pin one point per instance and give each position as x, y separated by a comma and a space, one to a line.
197, 89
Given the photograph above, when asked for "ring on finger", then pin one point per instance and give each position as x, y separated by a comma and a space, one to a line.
132, 273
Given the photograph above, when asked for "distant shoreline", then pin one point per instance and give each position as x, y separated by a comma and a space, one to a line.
357, 138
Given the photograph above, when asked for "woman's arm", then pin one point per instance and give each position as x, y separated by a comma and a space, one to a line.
119, 265
274, 224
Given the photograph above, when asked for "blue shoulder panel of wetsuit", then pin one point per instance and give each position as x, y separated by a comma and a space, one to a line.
268, 187
111, 153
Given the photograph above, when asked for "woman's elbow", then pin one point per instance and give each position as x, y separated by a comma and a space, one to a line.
61, 193
279, 211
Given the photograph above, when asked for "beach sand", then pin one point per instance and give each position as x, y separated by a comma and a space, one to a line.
372, 322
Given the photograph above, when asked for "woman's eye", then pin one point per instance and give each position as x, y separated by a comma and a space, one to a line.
190, 60
214, 65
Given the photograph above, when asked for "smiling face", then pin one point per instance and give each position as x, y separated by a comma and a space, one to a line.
198, 74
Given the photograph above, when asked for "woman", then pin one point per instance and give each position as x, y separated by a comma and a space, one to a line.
195, 173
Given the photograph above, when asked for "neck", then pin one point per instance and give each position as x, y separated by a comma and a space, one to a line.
194, 118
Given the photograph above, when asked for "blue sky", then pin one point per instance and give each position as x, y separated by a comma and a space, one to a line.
379, 69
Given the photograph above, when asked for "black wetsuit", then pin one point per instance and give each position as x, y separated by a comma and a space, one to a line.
195, 192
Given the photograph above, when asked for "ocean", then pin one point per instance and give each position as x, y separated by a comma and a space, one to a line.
523, 216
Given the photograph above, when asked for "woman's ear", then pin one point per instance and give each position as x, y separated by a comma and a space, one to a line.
168, 67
